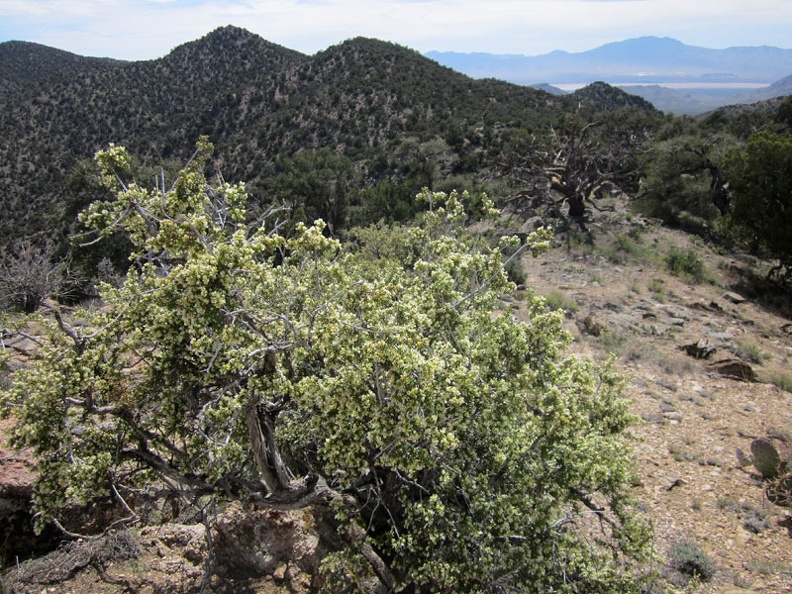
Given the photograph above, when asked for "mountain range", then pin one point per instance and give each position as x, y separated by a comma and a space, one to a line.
691, 79
644, 59
384, 107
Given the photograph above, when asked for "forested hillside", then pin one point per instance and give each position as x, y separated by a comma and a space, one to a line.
28, 68
158, 107
395, 114
348, 135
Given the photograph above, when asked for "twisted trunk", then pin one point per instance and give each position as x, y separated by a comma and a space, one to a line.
285, 492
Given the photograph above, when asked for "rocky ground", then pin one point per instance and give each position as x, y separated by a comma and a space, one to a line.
692, 445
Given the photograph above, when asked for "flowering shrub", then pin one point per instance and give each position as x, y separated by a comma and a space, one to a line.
457, 448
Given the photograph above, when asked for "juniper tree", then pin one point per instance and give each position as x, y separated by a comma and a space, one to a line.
760, 178
456, 447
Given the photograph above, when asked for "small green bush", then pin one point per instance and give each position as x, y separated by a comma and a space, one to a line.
685, 263
782, 381
516, 271
657, 286
751, 353
613, 341
556, 300
689, 559
754, 519
626, 247
769, 567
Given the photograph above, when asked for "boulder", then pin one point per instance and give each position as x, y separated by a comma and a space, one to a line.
733, 297
735, 369
699, 350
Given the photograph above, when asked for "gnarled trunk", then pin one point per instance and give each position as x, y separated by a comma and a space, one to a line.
285, 492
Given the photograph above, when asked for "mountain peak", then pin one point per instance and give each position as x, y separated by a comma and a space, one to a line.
230, 33
231, 48
604, 97
650, 49
226, 38
649, 40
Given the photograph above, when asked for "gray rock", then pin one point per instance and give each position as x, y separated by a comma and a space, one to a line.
735, 298
675, 311
667, 385
531, 225
654, 418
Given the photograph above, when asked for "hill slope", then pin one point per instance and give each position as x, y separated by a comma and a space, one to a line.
696, 424
25, 67
374, 102
153, 107
780, 88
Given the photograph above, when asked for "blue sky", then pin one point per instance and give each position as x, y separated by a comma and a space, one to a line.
146, 29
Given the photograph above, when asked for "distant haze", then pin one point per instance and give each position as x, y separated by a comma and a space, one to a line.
645, 59
672, 75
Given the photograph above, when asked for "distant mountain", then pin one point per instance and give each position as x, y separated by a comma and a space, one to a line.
388, 109
643, 59
549, 89
780, 88
696, 101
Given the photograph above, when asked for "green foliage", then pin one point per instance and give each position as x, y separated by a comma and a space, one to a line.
688, 558
754, 519
387, 201
556, 300
760, 176
516, 272
458, 448
772, 457
5, 372
685, 263
770, 567
86, 184
766, 458
316, 185
782, 381
784, 113
626, 247
682, 180
750, 352
398, 116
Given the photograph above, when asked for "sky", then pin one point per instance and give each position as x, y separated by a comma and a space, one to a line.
147, 29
